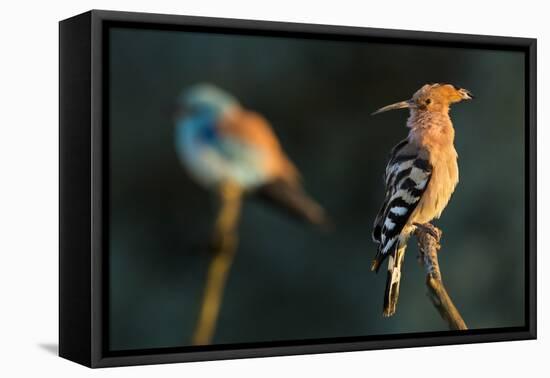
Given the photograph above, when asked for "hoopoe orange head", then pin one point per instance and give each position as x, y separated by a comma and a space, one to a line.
432, 98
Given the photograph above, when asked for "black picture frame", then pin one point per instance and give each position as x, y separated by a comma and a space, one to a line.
83, 181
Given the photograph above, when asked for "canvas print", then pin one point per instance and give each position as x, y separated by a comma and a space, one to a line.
265, 188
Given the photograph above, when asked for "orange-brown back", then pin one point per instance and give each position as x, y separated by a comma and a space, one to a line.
251, 128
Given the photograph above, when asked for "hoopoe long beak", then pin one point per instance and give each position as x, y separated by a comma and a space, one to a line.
397, 105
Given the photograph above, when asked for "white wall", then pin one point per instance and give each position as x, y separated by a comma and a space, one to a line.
28, 186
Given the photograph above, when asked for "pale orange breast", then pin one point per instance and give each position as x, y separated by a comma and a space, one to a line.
442, 184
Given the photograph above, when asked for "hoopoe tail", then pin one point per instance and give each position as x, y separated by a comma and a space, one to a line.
391, 294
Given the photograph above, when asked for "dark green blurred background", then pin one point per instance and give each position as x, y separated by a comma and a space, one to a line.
288, 280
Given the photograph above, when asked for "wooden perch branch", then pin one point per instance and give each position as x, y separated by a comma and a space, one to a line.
428, 238
224, 247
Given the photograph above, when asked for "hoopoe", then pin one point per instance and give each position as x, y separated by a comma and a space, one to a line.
219, 141
420, 178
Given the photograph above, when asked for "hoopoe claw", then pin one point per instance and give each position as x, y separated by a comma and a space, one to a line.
430, 229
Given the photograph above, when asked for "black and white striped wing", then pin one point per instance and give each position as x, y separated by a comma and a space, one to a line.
407, 176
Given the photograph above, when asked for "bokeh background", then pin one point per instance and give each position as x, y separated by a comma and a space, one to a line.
290, 281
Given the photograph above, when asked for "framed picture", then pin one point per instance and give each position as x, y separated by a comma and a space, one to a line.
234, 188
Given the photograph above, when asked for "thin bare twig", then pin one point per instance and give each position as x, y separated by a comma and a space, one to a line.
225, 245
428, 237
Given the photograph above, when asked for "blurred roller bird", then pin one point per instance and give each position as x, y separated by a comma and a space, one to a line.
218, 140
420, 177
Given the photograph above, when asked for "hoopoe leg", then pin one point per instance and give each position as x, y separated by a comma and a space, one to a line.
431, 229
225, 236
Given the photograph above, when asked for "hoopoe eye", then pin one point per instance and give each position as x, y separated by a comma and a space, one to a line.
428, 101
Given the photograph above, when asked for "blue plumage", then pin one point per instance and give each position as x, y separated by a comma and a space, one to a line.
210, 156
219, 142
